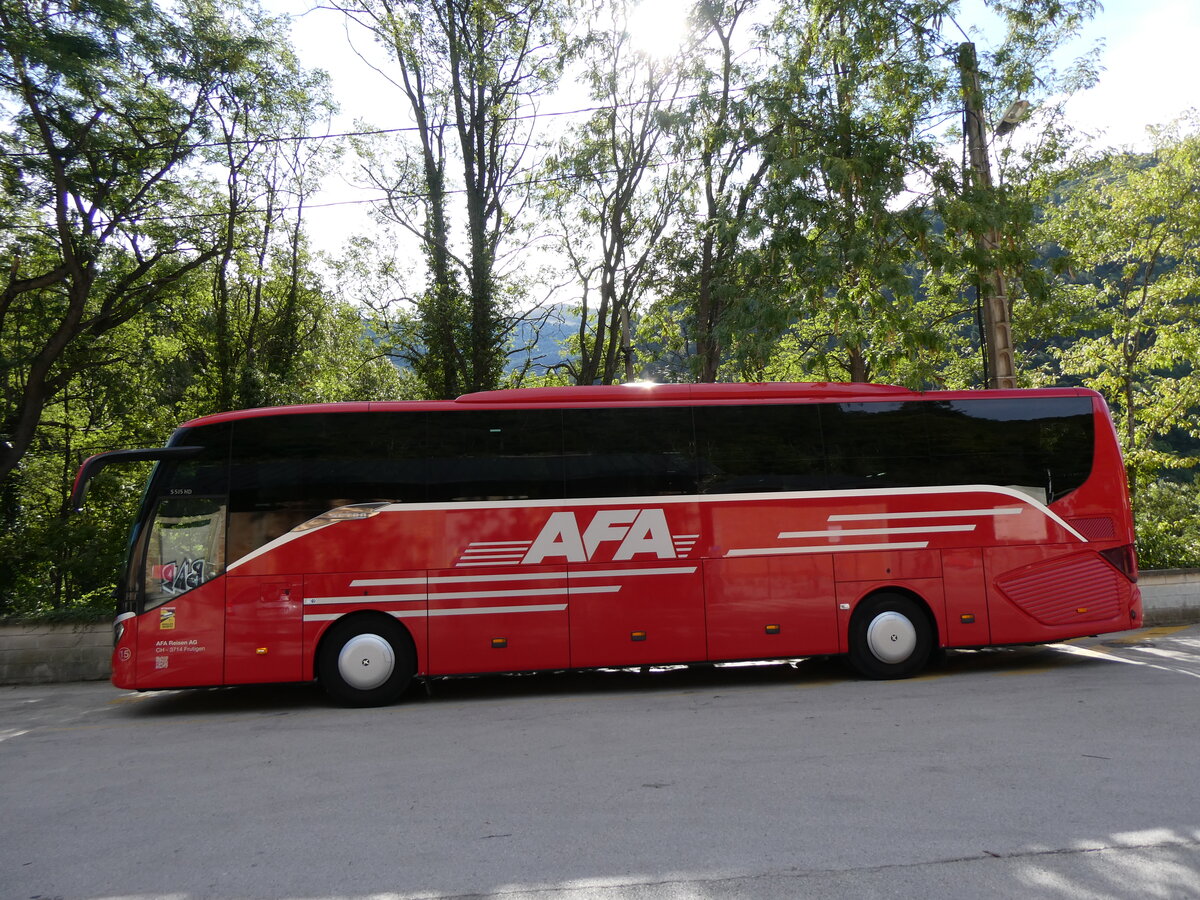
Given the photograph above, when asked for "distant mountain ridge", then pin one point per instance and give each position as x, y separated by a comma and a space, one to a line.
545, 333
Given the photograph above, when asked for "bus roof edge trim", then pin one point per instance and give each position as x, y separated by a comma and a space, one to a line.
817, 390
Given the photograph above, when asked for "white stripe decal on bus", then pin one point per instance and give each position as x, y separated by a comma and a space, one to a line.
525, 576
488, 610
676, 499
826, 548
462, 595
708, 499
471, 611
364, 598
866, 532
940, 514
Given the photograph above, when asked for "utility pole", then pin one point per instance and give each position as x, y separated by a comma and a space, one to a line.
626, 344
997, 336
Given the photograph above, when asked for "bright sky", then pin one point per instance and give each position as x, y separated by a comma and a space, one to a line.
1149, 75
1148, 78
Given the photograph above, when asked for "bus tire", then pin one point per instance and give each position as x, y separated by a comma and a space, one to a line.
891, 636
366, 661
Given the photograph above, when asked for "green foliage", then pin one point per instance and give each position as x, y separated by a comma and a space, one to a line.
606, 200
157, 266
1130, 228
466, 69
1168, 525
536, 380
829, 231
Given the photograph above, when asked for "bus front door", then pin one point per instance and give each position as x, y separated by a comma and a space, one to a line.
179, 641
263, 624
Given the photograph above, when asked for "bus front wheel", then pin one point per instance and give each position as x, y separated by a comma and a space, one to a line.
890, 637
365, 661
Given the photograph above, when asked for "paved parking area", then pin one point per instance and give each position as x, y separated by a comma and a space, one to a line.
1041, 772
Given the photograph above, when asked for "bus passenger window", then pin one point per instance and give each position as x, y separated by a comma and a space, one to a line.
285, 470
759, 448
496, 455
877, 445
629, 452
1040, 446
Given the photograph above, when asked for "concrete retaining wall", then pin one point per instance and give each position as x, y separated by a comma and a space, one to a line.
40, 654
45, 654
1171, 596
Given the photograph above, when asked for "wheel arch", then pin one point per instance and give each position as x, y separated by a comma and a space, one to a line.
363, 616
895, 590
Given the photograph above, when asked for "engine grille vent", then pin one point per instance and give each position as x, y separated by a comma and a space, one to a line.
1095, 528
1079, 589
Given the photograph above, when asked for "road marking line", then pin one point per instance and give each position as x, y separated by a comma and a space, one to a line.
1101, 653
1094, 653
1147, 634
1167, 654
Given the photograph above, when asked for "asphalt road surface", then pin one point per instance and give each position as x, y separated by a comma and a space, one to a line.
1036, 772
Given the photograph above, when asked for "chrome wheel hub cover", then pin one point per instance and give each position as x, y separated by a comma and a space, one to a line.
891, 637
366, 662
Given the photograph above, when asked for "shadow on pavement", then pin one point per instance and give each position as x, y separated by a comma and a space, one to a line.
284, 699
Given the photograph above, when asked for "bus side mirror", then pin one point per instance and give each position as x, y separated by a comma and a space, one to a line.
93, 464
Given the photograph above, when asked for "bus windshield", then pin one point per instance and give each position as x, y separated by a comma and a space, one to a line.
185, 547
183, 542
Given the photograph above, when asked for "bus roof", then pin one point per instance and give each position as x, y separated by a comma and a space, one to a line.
645, 393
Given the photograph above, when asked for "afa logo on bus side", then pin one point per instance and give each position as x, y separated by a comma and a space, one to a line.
635, 532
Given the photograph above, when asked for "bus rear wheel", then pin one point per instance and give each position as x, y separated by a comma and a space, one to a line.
366, 661
890, 637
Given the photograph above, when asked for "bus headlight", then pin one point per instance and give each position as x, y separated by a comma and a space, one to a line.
119, 626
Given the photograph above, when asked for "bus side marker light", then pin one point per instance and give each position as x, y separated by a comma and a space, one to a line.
967, 618
1081, 610
773, 629
499, 643
261, 651
638, 636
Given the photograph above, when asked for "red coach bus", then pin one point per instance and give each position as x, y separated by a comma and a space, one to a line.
365, 544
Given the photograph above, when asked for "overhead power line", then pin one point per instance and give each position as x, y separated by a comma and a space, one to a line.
408, 129
418, 195
442, 126
391, 197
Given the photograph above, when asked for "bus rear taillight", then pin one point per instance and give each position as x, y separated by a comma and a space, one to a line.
1124, 560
